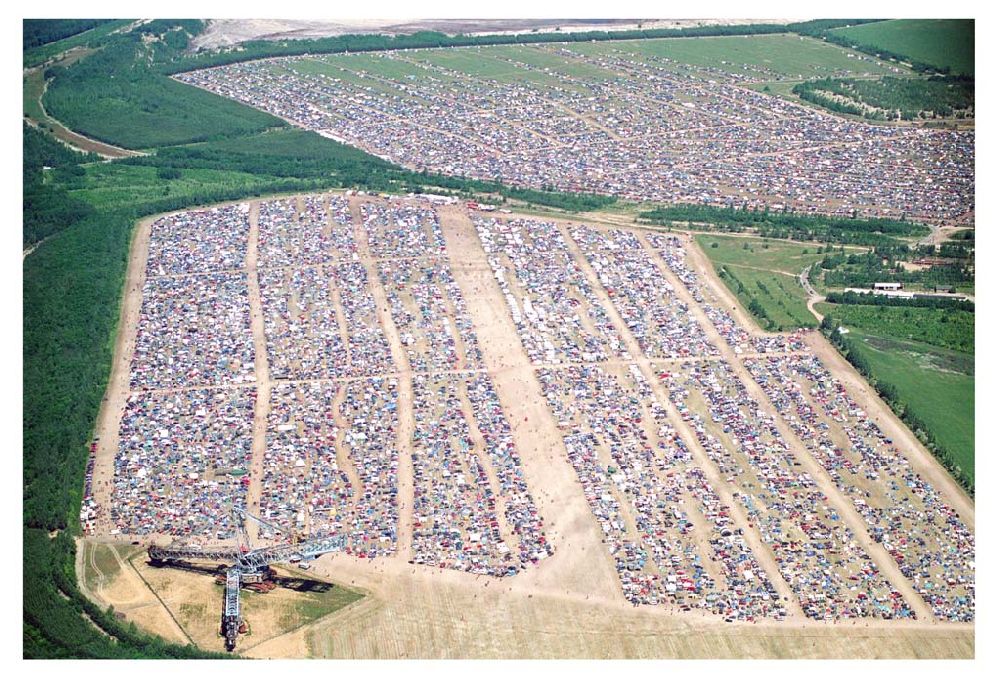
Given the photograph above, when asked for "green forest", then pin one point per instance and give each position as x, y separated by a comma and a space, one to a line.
890, 98
42, 31
788, 224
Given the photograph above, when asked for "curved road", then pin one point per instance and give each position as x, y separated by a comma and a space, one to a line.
813, 295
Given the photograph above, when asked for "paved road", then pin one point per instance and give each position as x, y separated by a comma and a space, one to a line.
813, 295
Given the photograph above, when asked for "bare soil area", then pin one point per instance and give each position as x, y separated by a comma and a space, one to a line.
227, 32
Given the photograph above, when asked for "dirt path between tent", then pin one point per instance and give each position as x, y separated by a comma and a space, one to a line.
404, 375
113, 404
764, 555
262, 404
580, 563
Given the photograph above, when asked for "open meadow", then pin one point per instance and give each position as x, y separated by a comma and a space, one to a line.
945, 43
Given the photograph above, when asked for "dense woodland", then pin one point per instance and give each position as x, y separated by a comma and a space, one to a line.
890, 98
786, 224
43, 31
47, 206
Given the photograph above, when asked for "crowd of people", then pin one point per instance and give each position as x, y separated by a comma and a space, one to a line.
183, 461
558, 316
644, 128
317, 433
903, 512
472, 510
817, 553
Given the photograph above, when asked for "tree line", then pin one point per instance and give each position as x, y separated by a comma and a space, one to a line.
891, 98
37, 32
788, 224
869, 299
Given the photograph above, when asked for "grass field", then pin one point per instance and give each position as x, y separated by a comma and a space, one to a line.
545, 59
939, 42
938, 385
395, 69
107, 186
775, 300
790, 56
766, 271
483, 63
762, 253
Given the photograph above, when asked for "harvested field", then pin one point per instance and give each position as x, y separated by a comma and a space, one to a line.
513, 423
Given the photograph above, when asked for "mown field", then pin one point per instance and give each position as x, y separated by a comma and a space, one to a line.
789, 56
763, 274
945, 43
759, 252
936, 384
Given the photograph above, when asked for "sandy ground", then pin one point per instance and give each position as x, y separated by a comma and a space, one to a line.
226, 32
113, 405
570, 605
262, 407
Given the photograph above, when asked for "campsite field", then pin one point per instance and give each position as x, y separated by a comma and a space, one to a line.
788, 56
415, 610
940, 42
204, 150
